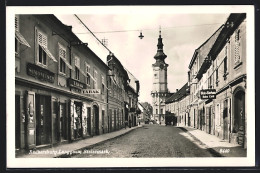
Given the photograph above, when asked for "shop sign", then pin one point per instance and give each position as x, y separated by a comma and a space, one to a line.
40, 73
91, 91
76, 84
208, 94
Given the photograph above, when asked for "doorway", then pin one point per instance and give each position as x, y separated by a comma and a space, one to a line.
96, 117
239, 116
63, 122
225, 120
17, 123
43, 119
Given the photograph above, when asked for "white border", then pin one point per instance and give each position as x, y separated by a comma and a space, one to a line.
13, 162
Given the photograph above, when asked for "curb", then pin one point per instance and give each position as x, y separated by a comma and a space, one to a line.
212, 151
93, 145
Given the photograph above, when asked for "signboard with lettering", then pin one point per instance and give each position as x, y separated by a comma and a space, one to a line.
76, 84
40, 73
208, 94
91, 91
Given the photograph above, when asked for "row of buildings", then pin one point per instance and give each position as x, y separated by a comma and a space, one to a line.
214, 97
63, 90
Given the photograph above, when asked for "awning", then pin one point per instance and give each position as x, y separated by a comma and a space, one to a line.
21, 39
66, 62
84, 74
91, 76
48, 53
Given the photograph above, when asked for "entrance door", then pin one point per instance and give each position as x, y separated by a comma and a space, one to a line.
96, 116
63, 122
89, 120
239, 116
225, 121
115, 127
78, 120
43, 119
17, 123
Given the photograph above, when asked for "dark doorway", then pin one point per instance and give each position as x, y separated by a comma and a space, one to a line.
89, 120
115, 127
103, 121
43, 119
63, 122
225, 120
78, 120
17, 123
96, 117
239, 116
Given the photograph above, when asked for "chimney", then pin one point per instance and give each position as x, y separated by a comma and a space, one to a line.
177, 90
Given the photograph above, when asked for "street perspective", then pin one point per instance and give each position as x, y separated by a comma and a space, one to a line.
125, 85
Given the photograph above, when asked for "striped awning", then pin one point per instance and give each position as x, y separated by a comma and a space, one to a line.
48, 53
21, 39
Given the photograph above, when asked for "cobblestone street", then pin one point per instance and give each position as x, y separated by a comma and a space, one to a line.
150, 141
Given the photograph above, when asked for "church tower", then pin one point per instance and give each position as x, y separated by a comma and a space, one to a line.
160, 90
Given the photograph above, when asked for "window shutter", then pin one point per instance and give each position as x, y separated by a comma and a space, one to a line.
16, 24
42, 40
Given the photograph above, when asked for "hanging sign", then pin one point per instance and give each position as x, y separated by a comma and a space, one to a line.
208, 94
91, 91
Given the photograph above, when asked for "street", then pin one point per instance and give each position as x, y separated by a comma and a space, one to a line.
149, 141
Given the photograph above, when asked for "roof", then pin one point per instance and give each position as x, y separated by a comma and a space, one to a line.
134, 83
205, 47
184, 91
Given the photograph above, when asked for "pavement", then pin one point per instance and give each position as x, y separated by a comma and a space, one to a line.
70, 149
214, 144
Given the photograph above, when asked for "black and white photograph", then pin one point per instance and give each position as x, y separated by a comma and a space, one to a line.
135, 86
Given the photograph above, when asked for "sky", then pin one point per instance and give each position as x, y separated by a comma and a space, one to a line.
182, 33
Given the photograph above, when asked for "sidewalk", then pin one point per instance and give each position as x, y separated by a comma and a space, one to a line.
215, 145
66, 150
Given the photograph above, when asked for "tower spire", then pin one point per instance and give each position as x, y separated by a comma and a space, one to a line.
160, 54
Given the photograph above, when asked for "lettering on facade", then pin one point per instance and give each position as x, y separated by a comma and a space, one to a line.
208, 94
76, 84
40, 73
91, 91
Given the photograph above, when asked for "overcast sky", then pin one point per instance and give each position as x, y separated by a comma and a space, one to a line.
181, 33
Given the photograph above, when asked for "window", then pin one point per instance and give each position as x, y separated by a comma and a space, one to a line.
161, 111
156, 76
19, 37
77, 67
62, 55
42, 49
217, 77
156, 111
95, 79
76, 73
87, 69
237, 48
103, 85
225, 68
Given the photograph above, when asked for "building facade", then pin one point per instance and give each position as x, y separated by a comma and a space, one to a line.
160, 90
118, 81
219, 66
60, 88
